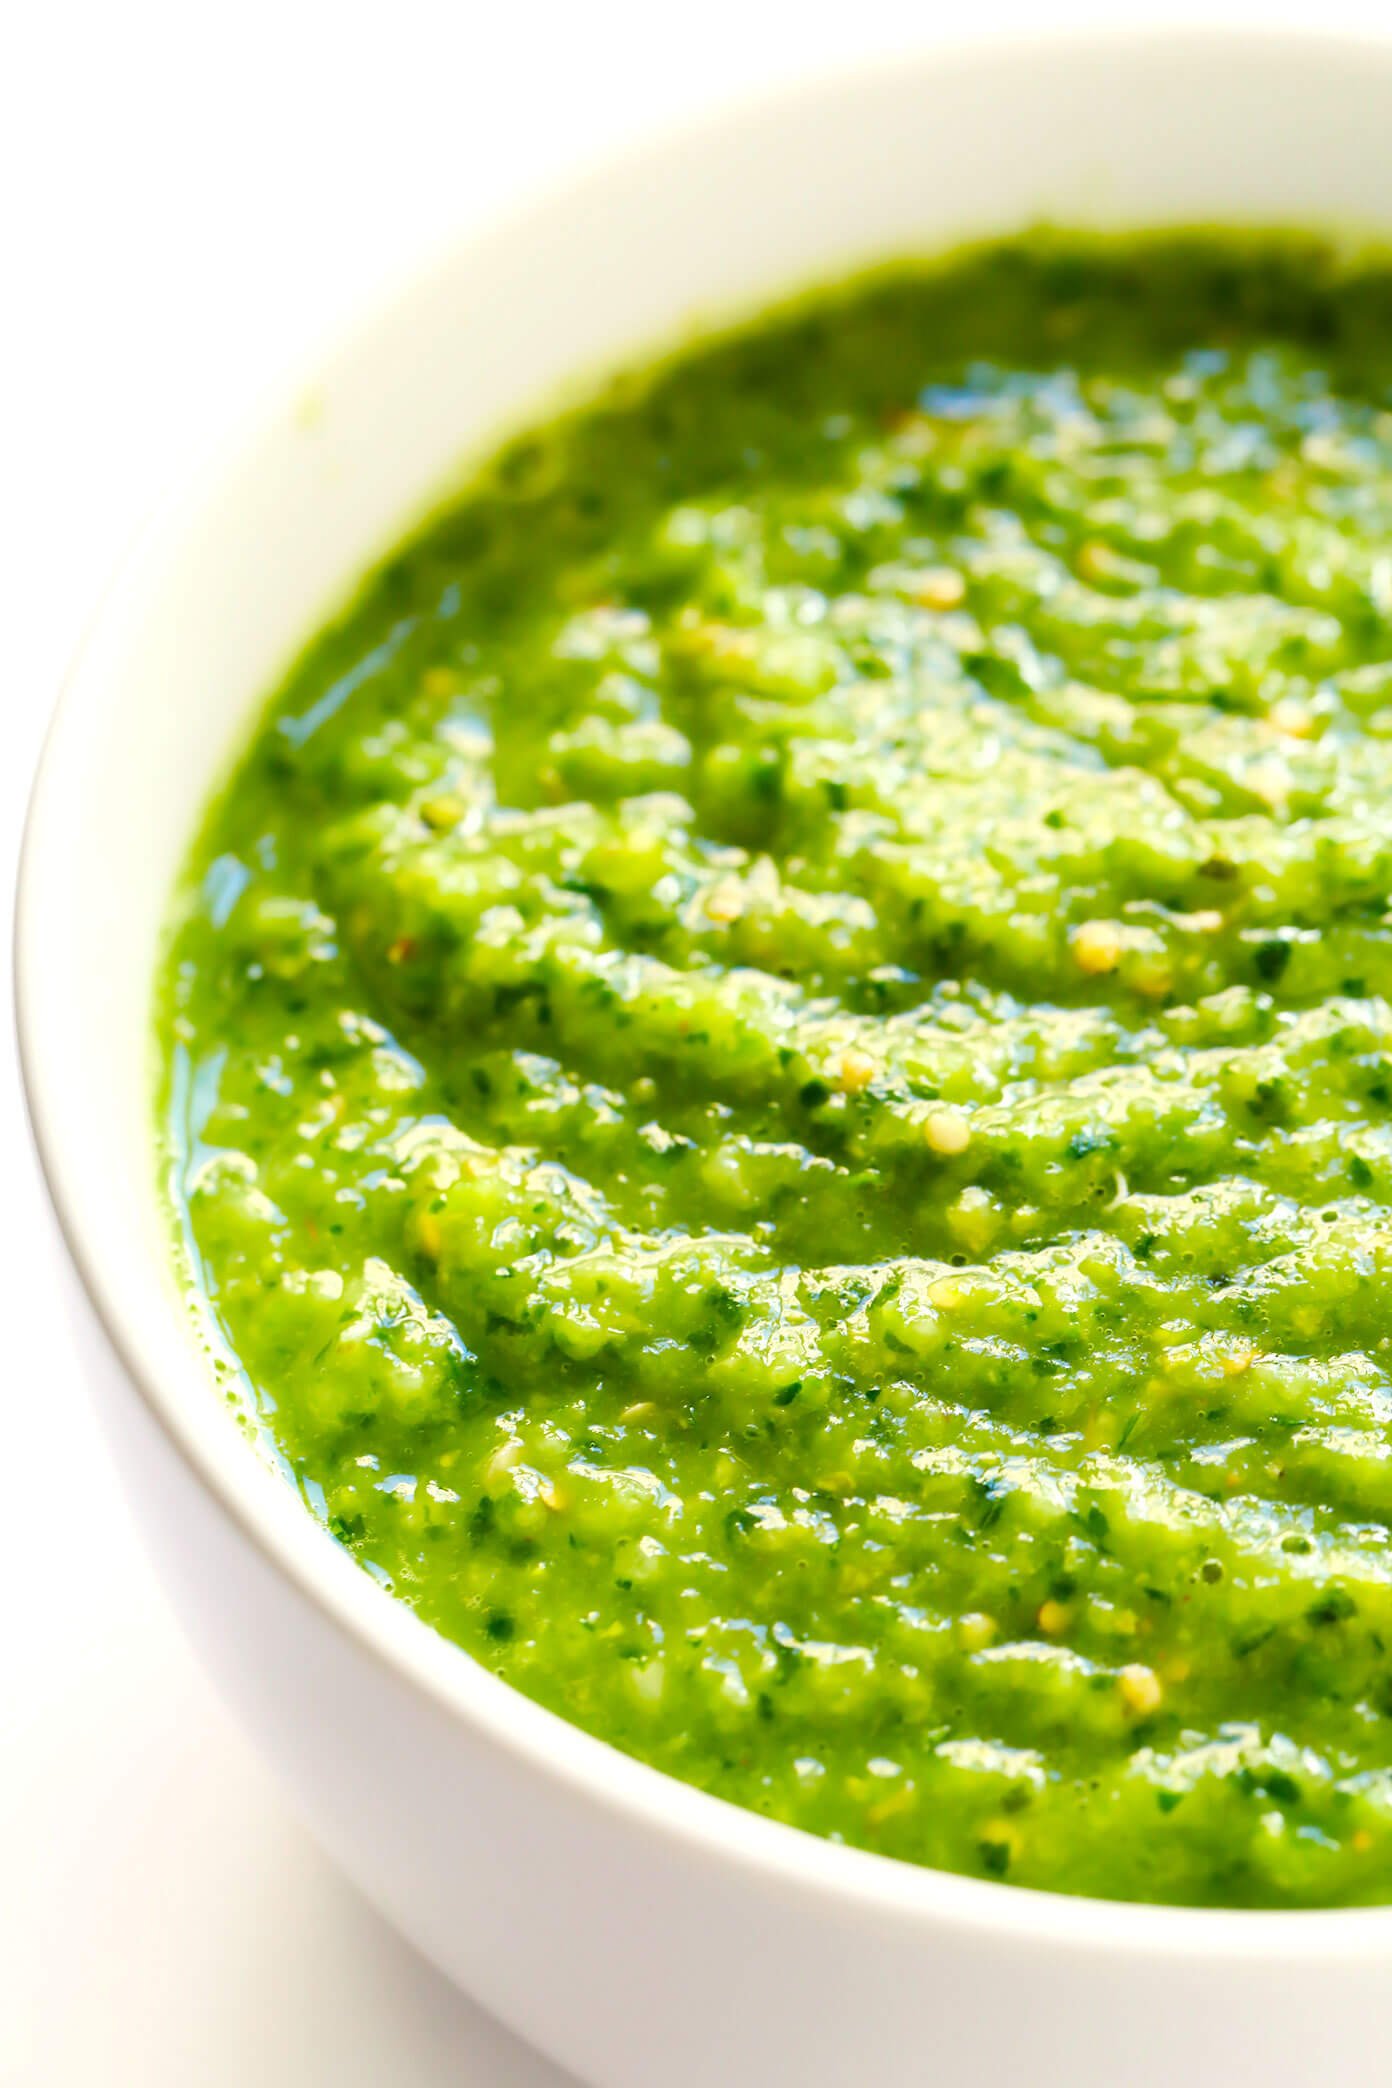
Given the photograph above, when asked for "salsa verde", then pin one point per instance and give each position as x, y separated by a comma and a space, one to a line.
779, 1068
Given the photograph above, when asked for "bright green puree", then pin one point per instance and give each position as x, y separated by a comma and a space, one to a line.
780, 1069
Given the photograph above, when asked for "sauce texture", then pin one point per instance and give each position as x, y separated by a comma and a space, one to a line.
779, 1069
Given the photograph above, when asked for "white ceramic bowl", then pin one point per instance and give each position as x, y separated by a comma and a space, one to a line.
648, 1936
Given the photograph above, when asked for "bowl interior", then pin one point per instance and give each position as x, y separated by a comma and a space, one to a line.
239, 570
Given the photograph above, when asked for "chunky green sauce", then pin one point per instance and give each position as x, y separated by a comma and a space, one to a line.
780, 1069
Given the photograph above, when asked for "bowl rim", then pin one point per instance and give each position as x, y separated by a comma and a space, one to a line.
699, 1824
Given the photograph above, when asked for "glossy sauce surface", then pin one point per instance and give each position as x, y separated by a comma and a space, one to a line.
780, 1069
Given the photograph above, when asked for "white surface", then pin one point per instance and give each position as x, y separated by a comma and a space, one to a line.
195, 201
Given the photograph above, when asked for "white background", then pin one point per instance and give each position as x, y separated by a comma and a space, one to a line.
191, 199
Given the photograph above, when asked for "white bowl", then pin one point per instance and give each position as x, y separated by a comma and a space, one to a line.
646, 1935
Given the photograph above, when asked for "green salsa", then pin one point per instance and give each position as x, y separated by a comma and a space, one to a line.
779, 1068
